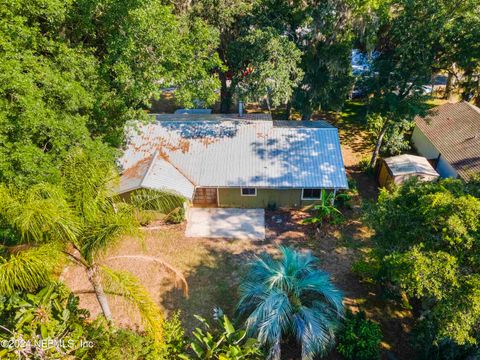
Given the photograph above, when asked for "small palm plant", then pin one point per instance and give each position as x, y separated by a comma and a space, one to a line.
324, 211
289, 297
79, 220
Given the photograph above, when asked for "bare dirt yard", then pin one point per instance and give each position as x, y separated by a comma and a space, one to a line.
213, 268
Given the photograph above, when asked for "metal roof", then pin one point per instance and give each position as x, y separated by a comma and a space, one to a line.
228, 151
454, 129
409, 165
193, 111
154, 172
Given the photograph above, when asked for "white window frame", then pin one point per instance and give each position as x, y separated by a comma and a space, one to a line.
309, 198
242, 194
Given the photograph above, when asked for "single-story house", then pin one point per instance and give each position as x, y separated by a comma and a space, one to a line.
222, 160
396, 170
449, 137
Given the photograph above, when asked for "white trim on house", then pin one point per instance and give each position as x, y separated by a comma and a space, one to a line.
312, 198
242, 194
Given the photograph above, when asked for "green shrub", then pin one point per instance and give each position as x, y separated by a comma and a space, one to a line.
146, 217
111, 343
176, 216
51, 314
175, 340
222, 341
359, 338
324, 211
364, 165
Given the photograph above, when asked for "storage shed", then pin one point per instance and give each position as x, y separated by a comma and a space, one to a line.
397, 169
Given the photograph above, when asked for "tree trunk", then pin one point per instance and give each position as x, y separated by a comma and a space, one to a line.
448, 86
373, 161
225, 94
288, 110
306, 114
94, 278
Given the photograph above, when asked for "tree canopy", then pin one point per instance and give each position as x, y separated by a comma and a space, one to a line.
427, 246
73, 72
414, 40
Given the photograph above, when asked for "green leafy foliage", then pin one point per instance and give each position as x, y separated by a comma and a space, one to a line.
153, 203
325, 211
79, 220
323, 33
176, 216
51, 314
175, 340
48, 324
117, 343
290, 296
267, 64
223, 341
426, 246
414, 39
360, 338
73, 72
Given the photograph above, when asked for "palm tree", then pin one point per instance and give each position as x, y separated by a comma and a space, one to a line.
288, 297
78, 220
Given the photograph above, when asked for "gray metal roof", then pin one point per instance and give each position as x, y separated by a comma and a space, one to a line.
223, 151
193, 111
154, 172
409, 164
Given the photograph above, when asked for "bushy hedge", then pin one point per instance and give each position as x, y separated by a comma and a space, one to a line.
360, 338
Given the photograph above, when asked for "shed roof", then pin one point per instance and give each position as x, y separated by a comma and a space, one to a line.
228, 151
409, 165
454, 129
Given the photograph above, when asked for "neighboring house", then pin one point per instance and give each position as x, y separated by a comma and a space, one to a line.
450, 138
231, 161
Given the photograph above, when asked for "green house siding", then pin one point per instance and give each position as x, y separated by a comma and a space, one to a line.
231, 197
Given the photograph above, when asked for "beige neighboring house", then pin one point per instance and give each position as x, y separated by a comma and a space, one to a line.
220, 160
449, 137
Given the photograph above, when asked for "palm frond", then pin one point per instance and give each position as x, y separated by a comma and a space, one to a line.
89, 181
127, 286
290, 295
179, 277
109, 226
38, 214
28, 269
269, 321
319, 282
315, 331
162, 201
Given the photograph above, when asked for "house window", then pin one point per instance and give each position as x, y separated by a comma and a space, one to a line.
311, 194
249, 192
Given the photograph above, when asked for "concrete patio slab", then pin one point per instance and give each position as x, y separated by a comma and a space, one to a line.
227, 223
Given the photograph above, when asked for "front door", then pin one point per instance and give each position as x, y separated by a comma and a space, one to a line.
205, 197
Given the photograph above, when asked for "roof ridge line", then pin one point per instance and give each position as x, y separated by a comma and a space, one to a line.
176, 168
148, 169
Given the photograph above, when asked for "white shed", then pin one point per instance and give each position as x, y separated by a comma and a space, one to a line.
397, 169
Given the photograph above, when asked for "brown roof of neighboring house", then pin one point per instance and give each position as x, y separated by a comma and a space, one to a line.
454, 129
